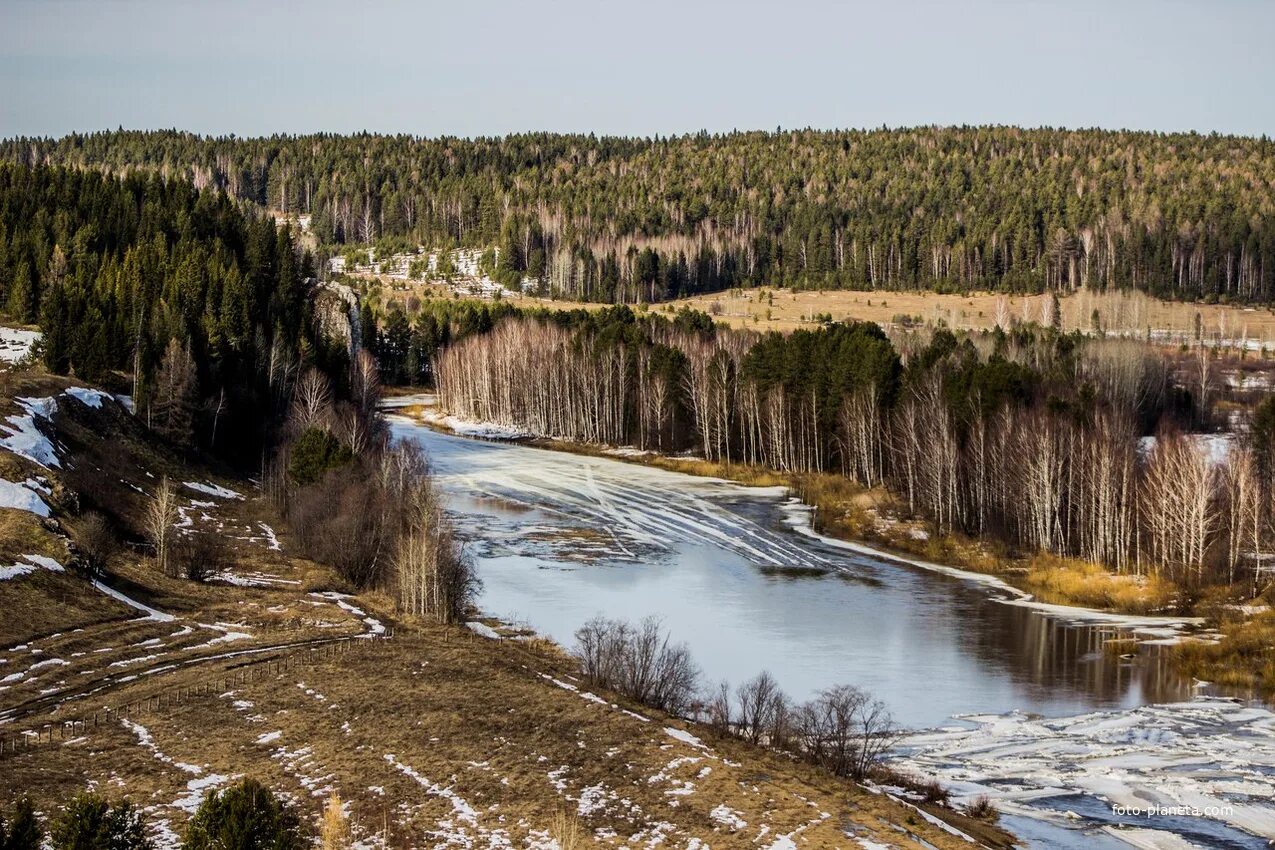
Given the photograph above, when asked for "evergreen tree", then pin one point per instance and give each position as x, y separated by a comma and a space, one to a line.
91, 822
245, 816
22, 832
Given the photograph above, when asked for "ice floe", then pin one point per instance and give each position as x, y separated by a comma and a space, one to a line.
1201, 769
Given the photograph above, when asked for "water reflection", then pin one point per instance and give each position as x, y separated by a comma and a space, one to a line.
560, 538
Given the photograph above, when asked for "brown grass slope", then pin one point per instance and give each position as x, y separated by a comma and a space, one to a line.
434, 737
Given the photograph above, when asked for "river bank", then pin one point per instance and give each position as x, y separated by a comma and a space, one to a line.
871, 519
1213, 641
739, 575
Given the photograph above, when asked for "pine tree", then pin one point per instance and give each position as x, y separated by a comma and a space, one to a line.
91, 822
23, 831
22, 294
172, 403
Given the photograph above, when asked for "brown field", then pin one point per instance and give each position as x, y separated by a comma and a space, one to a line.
765, 309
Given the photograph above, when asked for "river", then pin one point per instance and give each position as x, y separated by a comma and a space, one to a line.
1004, 698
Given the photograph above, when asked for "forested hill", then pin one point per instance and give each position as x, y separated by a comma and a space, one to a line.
612, 219
198, 304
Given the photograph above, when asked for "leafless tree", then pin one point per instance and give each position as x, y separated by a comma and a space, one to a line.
1179, 505
312, 401
640, 663
432, 576
160, 517
717, 708
759, 700
96, 542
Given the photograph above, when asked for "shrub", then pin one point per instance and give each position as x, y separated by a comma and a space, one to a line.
23, 831
96, 542
933, 791
200, 555
347, 521
566, 831
91, 822
334, 830
314, 453
245, 816
983, 808
638, 662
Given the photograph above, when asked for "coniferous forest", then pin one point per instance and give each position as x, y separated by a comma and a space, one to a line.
1180, 216
197, 301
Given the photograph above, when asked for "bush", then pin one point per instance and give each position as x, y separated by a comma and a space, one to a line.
314, 453
91, 822
347, 521
982, 808
638, 662
200, 555
245, 816
932, 791
23, 831
96, 542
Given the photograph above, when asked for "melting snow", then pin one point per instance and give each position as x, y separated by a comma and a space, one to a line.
15, 344
375, 626
684, 737
212, 490
22, 498
90, 397
34, 562
25, 438
728, 817
151, 613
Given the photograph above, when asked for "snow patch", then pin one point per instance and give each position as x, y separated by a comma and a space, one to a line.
24, 438
21, 497
151, 613
210, 489
16, 344
34, 562
90, 397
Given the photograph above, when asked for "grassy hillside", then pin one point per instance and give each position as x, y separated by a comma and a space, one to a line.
435, 736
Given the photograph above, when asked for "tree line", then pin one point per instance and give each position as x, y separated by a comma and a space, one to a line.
1050, 442
1178, 215
196, 300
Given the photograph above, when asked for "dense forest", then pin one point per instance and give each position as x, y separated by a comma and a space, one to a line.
1180, 216
200, 302
1030, 437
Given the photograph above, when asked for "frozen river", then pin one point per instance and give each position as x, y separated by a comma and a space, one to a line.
1007, 699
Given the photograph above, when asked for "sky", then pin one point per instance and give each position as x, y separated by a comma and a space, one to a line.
491, 67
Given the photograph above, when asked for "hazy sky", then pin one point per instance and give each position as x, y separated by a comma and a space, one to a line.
635, 68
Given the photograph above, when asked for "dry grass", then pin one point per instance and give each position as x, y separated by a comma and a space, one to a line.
768, 308
402, 730
1244, 659
407, 727
1073, 582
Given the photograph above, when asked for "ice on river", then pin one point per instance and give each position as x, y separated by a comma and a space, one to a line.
636, 513
703, 553
1202, 770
